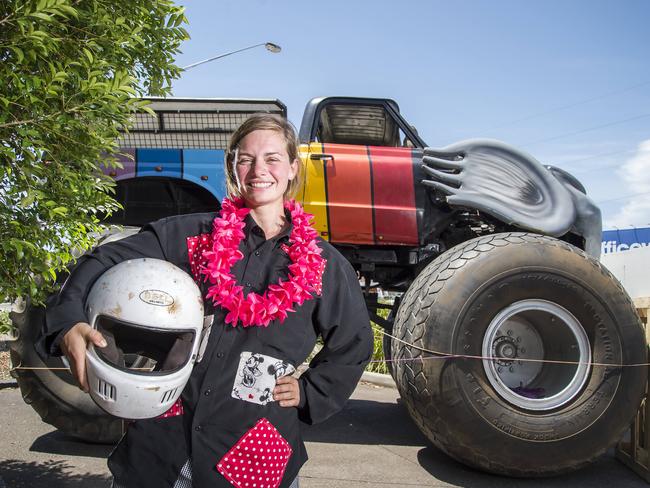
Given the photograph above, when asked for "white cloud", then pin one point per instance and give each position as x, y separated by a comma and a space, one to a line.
636, 173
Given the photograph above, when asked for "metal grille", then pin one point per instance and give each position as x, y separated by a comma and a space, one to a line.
175, 140
193, 124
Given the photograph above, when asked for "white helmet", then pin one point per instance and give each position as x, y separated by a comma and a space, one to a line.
151, 314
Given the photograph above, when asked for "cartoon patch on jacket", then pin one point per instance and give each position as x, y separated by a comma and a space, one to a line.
253, 382
280, 369
251, 370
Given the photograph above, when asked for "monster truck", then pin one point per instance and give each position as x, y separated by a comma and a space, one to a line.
508, 340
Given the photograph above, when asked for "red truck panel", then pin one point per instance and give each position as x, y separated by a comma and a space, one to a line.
394, 195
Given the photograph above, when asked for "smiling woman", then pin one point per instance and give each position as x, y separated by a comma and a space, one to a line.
270, 287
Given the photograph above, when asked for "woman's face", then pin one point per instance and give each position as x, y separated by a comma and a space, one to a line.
263, 168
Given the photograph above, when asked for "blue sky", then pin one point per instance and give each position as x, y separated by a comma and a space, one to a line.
567, 81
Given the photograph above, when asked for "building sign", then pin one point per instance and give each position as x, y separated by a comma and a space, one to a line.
624, 239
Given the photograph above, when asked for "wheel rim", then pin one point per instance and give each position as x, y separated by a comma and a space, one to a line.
519, 337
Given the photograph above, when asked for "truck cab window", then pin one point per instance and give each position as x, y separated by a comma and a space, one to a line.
369, 125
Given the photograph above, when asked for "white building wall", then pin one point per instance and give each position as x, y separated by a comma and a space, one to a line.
632, 268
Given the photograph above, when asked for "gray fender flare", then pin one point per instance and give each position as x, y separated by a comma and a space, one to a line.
512, 186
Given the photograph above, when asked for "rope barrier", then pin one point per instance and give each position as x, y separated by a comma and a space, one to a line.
61, 368
446, 355
435, 355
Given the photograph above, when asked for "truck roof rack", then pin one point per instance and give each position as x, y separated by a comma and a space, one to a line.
205, 123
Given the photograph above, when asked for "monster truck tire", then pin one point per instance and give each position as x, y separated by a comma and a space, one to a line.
53, 393
388, 355
490, 296
386, 339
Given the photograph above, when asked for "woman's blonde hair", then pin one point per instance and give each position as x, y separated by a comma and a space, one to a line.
262, 121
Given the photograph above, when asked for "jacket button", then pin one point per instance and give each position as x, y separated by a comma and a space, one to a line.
207, 392
257, 253
219, 354
197, 428
248, 284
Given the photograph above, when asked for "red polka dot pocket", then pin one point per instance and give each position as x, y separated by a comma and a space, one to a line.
259, 458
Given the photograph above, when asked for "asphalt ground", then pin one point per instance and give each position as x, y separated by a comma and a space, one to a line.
372, 442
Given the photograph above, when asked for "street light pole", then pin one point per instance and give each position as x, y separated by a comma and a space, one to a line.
274, 48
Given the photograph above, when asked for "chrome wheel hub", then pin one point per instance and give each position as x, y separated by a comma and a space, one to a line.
536, 355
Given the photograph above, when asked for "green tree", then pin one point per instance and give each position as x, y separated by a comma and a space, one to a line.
70, 75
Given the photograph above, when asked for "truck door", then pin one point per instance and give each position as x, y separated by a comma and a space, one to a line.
359, 181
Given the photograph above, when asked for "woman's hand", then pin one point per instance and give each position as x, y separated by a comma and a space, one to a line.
287, 391
74, 345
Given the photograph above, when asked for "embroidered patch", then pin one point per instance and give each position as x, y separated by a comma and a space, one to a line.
256, 377
259, 458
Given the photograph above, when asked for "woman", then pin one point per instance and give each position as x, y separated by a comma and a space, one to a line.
273, 287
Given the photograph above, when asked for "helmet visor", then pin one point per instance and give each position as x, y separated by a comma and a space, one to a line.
145, 350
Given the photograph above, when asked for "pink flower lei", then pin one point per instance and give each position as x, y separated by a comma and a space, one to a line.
305, 271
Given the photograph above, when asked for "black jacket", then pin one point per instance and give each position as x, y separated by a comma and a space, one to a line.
152, 451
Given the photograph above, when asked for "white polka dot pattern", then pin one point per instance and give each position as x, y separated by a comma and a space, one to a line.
196, 245
259, 458
175, 410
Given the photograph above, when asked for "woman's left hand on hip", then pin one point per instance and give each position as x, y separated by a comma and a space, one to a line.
287, 391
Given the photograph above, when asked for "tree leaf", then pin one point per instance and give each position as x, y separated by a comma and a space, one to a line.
42, 16
19, 53
88, 54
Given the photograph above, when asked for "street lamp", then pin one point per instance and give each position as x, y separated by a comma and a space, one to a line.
274, 48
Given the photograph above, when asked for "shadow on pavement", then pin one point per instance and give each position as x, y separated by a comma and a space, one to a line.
607, 472
21, 474
388, 424
58, 443
368, 422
